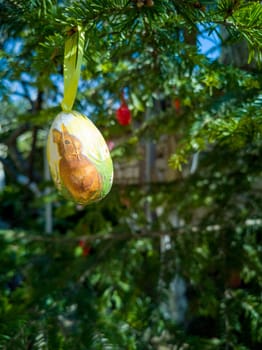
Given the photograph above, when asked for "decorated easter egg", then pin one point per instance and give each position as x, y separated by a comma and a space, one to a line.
79, 158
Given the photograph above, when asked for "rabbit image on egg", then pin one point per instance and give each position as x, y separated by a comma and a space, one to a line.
78, 174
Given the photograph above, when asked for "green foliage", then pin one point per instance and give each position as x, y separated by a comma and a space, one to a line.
245, 18
107, 277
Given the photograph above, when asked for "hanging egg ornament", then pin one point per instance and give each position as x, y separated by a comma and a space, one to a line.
79, 158
123, 114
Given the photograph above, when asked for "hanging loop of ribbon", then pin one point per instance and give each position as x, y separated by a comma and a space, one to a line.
73, 55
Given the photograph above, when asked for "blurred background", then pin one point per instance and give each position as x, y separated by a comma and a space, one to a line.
171, 258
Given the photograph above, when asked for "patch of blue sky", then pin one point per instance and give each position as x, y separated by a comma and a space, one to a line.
13, 46
209, 43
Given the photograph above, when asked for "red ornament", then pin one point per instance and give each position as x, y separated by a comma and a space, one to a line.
85, 248
234, 279
86, 251
123, 114
177, 104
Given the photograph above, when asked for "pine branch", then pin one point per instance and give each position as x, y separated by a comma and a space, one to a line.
244, 18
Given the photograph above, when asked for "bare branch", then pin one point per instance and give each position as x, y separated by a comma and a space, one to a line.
101, 237
13, 151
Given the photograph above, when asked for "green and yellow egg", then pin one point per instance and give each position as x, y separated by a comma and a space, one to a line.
79, 158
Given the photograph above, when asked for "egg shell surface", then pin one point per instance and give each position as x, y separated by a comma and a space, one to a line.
79, 159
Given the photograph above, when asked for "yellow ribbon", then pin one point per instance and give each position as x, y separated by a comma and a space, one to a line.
74, 48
